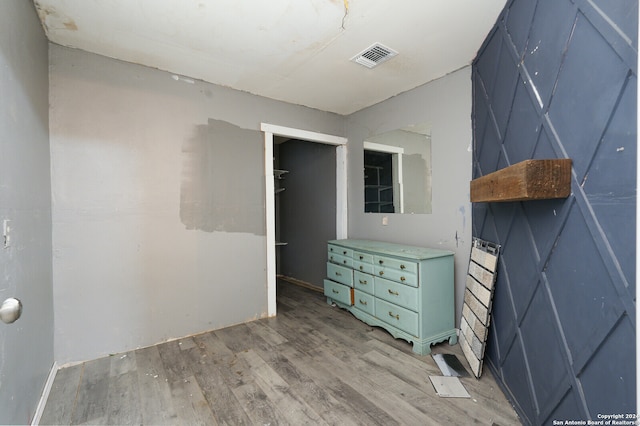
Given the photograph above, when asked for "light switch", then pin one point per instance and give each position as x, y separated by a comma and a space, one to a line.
385, 220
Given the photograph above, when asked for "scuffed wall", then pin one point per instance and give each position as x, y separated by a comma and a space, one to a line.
444, 105
158, 203
26, 346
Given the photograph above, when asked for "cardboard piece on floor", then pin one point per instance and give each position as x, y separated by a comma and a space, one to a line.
449, 387
450, 365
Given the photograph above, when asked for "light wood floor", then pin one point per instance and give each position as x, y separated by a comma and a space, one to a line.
312, 364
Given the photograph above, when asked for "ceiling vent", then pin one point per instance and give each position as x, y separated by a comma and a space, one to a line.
374, 55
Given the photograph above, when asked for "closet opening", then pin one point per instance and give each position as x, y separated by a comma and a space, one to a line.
271, 176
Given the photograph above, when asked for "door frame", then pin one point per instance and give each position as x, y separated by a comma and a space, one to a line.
341, 193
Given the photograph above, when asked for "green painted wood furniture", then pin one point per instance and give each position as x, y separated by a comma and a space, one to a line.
408, 291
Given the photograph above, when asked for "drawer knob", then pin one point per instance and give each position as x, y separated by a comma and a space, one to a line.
361, 257
380, 261
363, 282
381, 272
363, 302
361, 267
396, 316
402, 267
395, 293
335, 291
338, 274
344, 252
344, 261
402, 278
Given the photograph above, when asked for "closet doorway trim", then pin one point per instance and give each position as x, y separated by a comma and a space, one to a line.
341, 193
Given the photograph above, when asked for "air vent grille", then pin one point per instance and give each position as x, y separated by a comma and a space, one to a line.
374, 55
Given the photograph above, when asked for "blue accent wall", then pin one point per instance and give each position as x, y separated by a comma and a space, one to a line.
558, 79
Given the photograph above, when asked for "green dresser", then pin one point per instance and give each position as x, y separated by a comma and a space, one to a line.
409, 291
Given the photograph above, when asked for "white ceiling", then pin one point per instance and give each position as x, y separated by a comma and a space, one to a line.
296, 51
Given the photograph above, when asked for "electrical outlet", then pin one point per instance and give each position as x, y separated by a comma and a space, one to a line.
6, 233
385, 220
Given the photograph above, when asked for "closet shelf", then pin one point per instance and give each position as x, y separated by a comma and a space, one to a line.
527, 180
279, 174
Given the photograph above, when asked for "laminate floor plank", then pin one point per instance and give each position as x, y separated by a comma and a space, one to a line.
122, 363
222, 361
210, 362
394, 404
313, 363
317, 397
346, 332
123, 399
300, 334
186, 343
269, 335
257, 405
420, 394
91, 405
239, 338
62, 397
190, 403
349, 405
175, 364
156, 403
296, 410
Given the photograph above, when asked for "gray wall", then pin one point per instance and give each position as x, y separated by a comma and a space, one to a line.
158, 203
307, 209
444, 105
26, 346
556, 79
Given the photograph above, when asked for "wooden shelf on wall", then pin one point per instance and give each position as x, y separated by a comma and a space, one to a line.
527, 180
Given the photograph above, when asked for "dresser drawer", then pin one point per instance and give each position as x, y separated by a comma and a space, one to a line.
363, 282
363, 267
338, 292
396, 293
363, 257
393, 263
341, 274
340, 259
396, 316
402, 277
333, 249
363, 301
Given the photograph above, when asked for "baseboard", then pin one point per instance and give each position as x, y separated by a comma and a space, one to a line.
300, 283
45, 394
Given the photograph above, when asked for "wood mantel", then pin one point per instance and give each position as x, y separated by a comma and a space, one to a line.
527, 180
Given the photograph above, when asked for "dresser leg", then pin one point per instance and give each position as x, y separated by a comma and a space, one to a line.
422, 348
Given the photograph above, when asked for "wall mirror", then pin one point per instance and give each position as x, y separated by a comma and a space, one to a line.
397, 171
